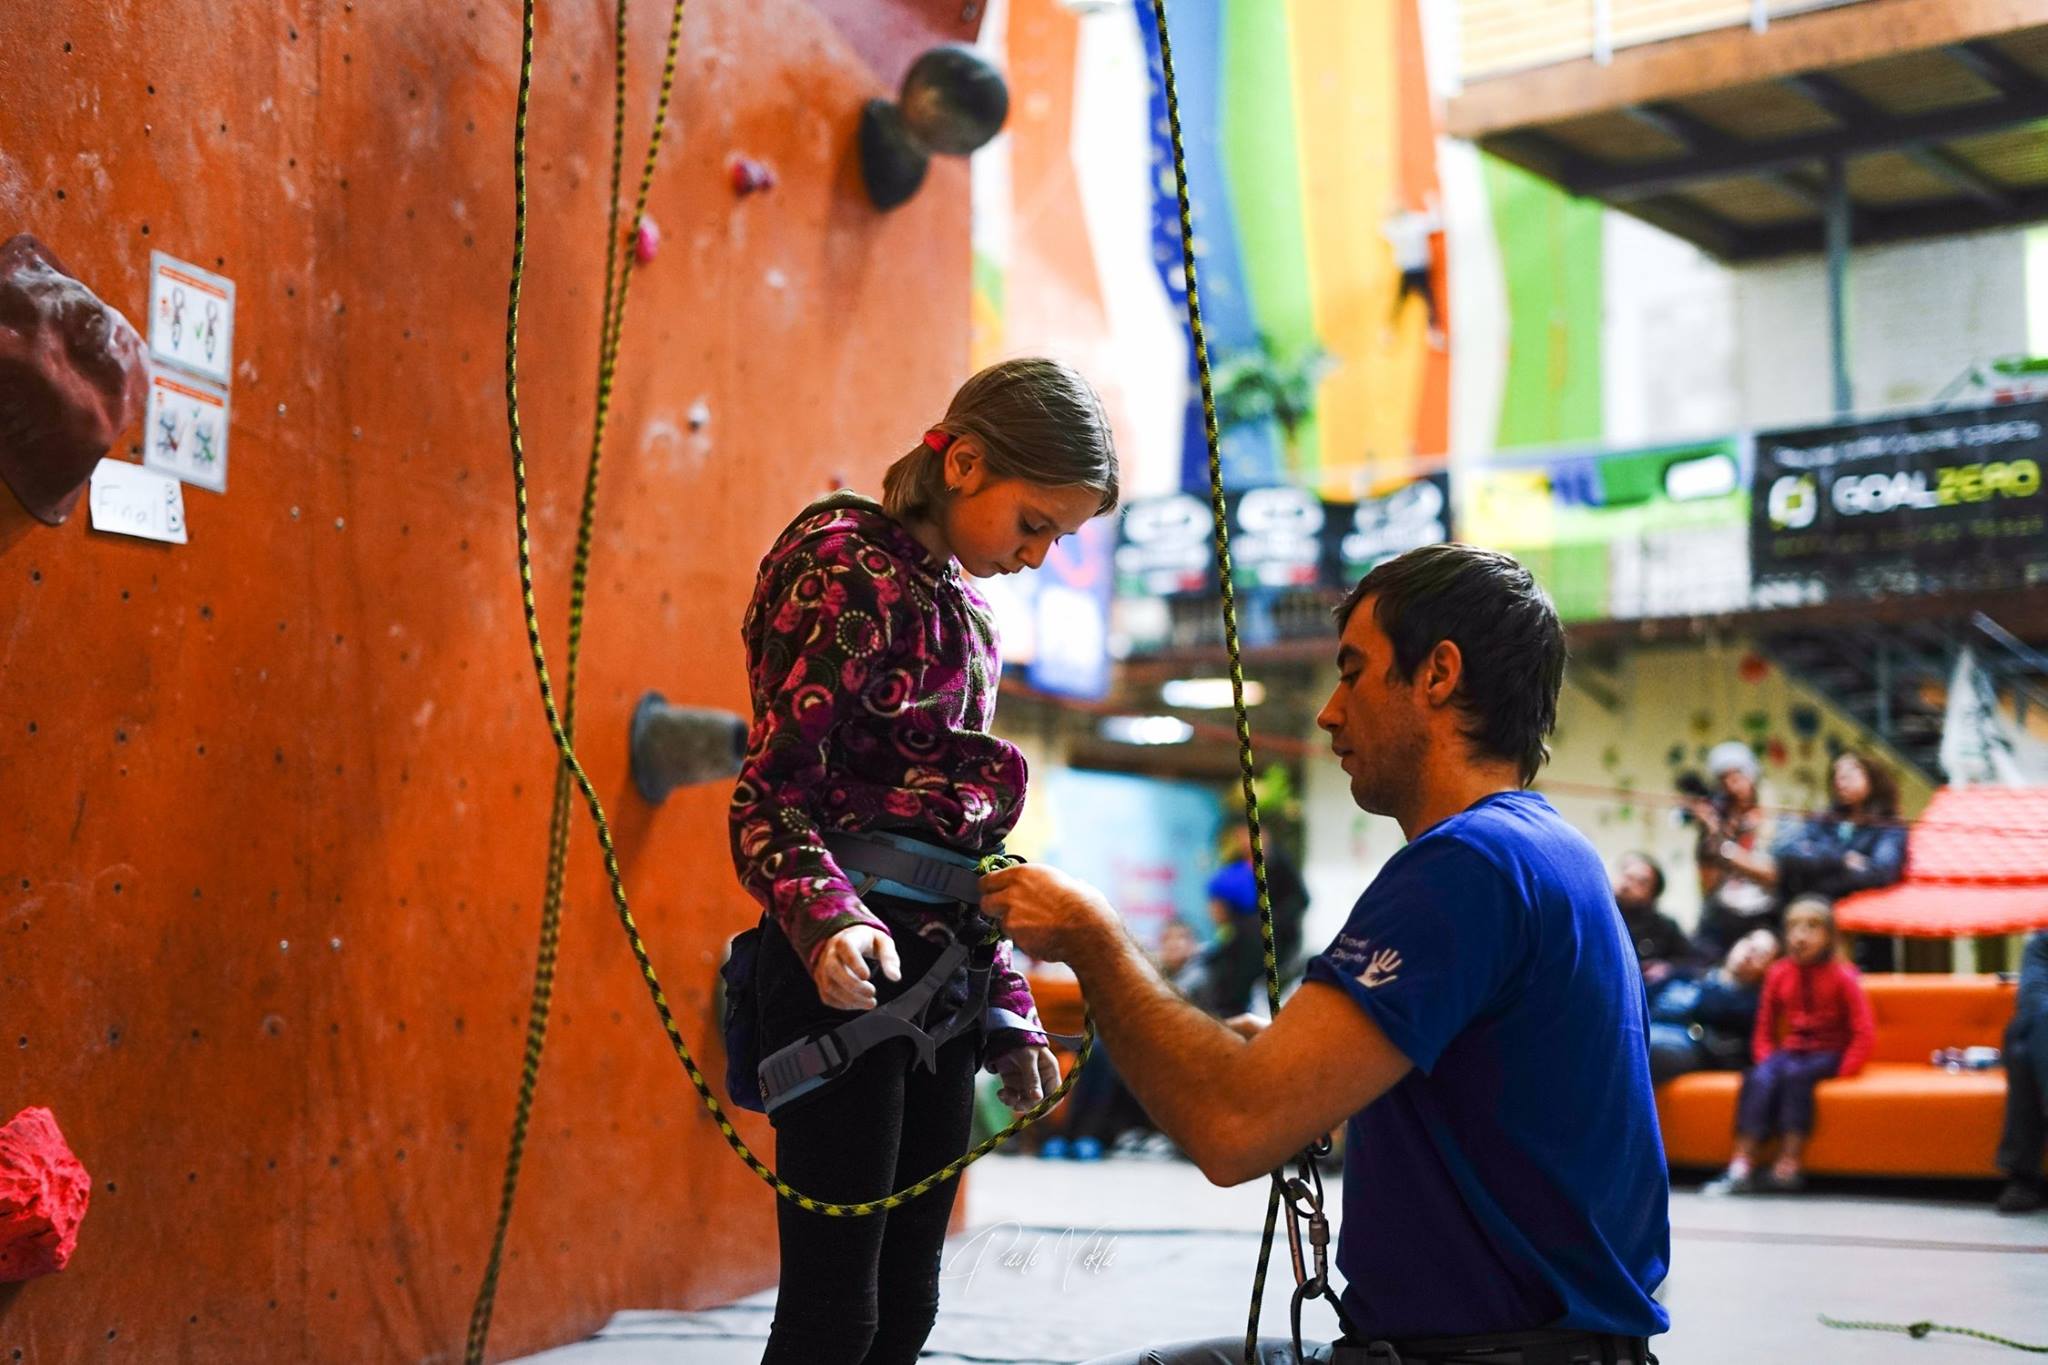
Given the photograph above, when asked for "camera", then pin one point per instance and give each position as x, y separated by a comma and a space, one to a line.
1693, 787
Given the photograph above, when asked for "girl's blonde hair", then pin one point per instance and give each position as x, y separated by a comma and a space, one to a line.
1038, 420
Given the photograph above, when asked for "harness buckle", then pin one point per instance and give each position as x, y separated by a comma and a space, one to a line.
791, 1072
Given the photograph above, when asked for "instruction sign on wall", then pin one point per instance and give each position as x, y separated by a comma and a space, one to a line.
186, 434
191, 317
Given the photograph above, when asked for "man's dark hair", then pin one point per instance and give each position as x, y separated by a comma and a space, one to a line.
1490, 607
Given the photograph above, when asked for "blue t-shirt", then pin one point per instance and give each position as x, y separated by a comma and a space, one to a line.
1515, 1178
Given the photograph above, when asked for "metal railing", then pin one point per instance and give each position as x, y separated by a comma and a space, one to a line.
1496, 37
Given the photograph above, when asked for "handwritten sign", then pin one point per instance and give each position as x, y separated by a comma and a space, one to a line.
133, 501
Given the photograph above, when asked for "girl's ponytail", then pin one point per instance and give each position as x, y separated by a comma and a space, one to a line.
915, 484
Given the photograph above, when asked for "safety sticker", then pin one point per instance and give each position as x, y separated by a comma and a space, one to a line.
191, 317
187, 431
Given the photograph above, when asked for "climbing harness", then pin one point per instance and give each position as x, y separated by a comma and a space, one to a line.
810, 1064
913, 870
882, 863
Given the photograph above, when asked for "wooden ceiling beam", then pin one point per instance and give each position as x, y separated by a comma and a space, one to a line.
1899, 225
1993, 66
1695, 134
1851, 109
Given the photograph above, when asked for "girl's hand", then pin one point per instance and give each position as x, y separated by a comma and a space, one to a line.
841, 971
1029, 1073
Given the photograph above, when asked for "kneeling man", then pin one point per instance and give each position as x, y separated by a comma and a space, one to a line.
1479, 1025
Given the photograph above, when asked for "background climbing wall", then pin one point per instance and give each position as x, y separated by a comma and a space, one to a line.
1308, 124
276, 801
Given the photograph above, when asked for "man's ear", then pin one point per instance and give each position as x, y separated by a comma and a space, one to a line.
1441, 672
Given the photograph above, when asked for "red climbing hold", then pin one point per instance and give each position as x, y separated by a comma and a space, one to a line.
646, 241
72, 379
43, 1194
750, 176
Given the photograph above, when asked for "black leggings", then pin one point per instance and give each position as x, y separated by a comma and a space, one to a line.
862, 1291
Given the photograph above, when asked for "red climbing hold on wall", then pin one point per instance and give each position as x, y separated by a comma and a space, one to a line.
43, 1194
71, 379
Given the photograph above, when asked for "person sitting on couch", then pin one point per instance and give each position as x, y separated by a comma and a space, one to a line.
1705, 1023
1828, 1030
1856, 844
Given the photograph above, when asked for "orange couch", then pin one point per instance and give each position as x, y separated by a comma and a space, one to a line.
1902, 1115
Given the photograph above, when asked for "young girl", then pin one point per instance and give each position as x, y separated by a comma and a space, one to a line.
1827, 1031
873, 666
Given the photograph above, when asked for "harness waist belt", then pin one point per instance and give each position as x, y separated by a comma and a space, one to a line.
896, 865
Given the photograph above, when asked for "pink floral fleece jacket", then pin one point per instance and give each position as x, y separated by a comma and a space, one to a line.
873, 671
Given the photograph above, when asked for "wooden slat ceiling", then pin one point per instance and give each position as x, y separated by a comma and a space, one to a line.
1944, 139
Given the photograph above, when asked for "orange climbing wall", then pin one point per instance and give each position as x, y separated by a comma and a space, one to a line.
275, 801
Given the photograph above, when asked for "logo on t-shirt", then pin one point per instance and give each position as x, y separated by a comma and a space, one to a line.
1383, 967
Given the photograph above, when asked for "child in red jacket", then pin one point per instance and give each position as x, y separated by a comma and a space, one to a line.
1816, 1001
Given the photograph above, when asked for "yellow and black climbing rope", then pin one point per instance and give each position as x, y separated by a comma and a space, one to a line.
611, 323
1245, 761
561, 718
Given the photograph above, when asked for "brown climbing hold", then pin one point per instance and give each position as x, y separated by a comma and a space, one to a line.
72, 378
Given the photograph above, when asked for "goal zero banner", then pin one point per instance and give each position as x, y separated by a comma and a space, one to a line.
1937, 502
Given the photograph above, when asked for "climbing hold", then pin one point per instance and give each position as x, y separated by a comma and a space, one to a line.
72, 378
673, 746
700, 415
44, 1191
953, 100
750, 176
646, 241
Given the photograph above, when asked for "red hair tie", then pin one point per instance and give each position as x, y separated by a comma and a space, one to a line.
938, 440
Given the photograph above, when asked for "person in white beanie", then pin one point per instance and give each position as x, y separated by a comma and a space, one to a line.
1738, 884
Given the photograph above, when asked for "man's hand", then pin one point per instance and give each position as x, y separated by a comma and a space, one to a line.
1029, 1073
1046, 913
841, 971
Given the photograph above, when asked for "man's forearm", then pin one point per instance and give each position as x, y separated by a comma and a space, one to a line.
1179, 1062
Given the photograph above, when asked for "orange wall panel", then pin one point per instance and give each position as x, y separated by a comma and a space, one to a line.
276, 801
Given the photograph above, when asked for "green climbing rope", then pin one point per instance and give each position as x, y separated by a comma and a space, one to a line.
1919, 1331
1245, 762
